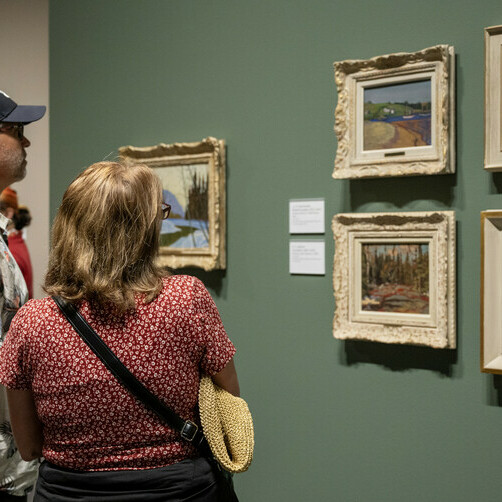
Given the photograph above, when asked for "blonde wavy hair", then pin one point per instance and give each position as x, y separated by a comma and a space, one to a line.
105, 237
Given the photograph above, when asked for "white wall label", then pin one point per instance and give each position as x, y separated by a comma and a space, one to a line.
307, 257
306, 216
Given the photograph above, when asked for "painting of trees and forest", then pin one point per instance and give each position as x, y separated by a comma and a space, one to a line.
185, 188
395, 278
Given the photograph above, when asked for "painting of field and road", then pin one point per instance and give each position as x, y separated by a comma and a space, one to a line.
185, 187
397, 115
395, 278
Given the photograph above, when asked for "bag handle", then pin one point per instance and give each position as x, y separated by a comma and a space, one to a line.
188, 430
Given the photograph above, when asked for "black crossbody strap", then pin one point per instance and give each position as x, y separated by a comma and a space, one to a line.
188, 430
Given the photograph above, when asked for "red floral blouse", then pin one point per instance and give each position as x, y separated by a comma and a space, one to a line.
90, 421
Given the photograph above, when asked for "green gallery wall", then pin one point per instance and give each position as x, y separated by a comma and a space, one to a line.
334, 420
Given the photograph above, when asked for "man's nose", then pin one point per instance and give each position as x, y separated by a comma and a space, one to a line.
25, 142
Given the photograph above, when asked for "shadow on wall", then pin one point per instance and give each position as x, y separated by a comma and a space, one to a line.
497, 183
402, 191
495, 391
399, 357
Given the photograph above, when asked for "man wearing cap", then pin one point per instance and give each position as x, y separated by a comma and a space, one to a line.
17, 477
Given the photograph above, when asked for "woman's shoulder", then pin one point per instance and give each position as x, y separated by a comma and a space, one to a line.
182, 287
35, 313
173, 282
39, 307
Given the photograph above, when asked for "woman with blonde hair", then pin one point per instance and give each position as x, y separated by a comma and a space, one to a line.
98, 441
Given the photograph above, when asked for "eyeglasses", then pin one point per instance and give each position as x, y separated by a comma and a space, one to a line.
16, 130
166, 210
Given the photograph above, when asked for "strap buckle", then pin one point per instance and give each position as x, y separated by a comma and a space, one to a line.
189, 430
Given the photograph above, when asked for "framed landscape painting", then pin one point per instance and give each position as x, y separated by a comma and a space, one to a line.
394, 277
493, 98
193, 183
395, 114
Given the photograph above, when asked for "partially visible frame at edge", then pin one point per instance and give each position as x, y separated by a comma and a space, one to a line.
493, 98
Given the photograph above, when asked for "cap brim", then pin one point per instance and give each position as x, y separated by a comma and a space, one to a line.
25, 114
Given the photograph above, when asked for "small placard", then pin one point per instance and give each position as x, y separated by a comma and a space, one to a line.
306, 216
306, 257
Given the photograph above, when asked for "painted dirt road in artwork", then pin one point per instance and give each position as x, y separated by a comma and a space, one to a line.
395, 278
397, 116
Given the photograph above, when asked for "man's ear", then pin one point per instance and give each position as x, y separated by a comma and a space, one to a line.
9, 212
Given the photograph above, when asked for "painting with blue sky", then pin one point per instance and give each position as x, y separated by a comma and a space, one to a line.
397, 115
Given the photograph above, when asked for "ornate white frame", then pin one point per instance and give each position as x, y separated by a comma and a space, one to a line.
211, 151
437, 228
491, 292
493, 98
352, 76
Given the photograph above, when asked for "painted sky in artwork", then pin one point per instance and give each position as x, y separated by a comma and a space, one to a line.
413, 92
177, 179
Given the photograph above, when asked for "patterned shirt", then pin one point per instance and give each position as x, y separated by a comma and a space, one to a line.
17, 477
90, 421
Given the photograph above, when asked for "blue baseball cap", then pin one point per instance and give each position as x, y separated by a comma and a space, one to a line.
10, 111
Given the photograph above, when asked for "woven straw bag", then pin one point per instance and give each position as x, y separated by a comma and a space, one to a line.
227, 425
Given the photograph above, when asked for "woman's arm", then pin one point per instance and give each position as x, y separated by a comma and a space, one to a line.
26, 426
227, 379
